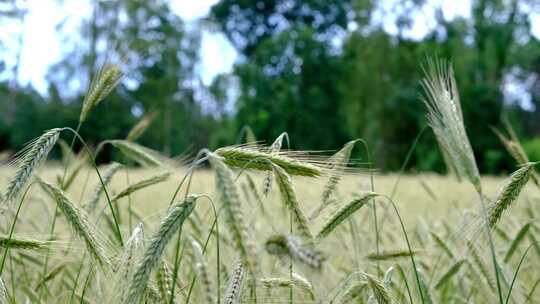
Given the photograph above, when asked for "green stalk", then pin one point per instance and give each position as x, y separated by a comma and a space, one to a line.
491, 246
13, 227
409, 248
115, 219
77, 278
214, 224
517, 271
86, 285
177, 260
374, 206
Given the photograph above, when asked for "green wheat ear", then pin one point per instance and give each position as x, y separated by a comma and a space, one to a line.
446, 119
80, 224
28, 160
103, 83
234, 213
510, 192
172, 222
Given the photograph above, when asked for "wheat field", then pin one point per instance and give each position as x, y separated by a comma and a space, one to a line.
254, 223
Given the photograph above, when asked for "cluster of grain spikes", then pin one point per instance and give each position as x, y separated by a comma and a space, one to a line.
234, 216
171, 224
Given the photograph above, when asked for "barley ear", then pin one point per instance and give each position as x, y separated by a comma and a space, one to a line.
274, 149
295, 249
78, 220
514, 147
102, 84
509, 193
91, 205
233, 292
289, 282
141, 127
202, 271
233, 213
520, 236
147, 182
288, 196
138, 153
172, 223
3, 293
259, 159
380, 293
343, 213
446, 119
453, 270
15, 242
30, 158
337, 164
384, 255
132, 253
164, 280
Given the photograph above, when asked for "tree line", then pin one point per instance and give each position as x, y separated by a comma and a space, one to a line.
325, 72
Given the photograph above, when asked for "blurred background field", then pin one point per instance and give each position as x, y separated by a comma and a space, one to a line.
429, 196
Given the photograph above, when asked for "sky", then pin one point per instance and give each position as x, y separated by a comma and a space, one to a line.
42, 46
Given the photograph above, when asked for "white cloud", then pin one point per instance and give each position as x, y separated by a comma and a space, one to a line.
218, 56
191, 10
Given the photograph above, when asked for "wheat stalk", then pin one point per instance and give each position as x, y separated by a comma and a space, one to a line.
22, 243
446, 119
202, 271
141, 127
295, 249
103, 83
274, 149
251, 158
234, 217
288, 196
98, 190
79, 222
509, 193
30, 157
170, 224
390, 254
338, 161
164, 280
152, 180
294, 281
234, 287
343, 213
137, 153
